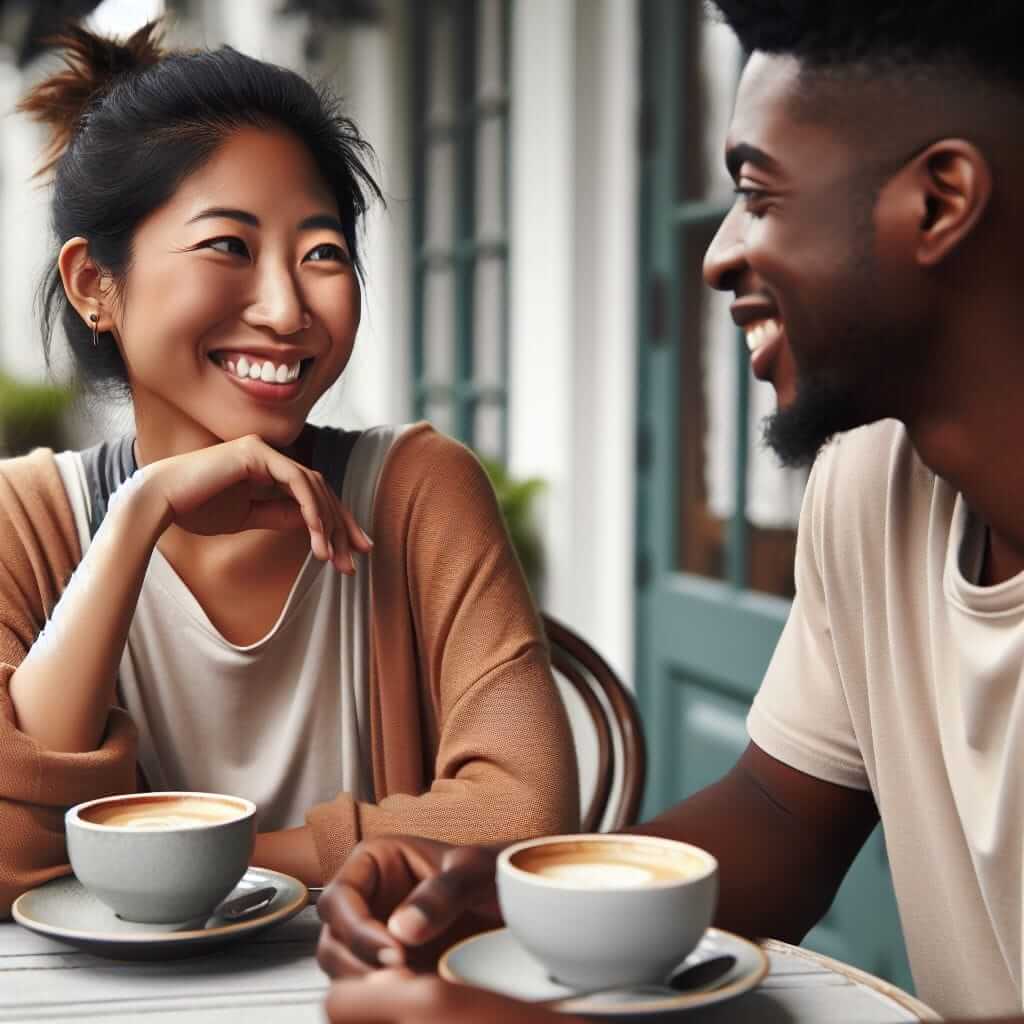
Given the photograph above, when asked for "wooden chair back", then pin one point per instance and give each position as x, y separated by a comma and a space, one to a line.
618, 731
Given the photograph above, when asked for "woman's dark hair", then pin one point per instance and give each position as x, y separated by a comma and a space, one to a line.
130, 122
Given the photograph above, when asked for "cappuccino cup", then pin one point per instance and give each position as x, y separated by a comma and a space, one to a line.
161, 857
607, 910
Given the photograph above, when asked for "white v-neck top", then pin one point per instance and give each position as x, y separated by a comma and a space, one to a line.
282, 721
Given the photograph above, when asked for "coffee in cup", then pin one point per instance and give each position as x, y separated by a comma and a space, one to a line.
607, 910
153, 811
161, 857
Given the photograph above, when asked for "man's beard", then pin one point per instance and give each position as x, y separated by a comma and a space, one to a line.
823, 407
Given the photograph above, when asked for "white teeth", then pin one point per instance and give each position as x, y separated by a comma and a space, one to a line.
762, 333
268, 372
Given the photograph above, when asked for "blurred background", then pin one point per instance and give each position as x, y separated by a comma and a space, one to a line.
553, 174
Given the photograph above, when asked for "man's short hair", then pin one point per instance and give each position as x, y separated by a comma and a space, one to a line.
982, 35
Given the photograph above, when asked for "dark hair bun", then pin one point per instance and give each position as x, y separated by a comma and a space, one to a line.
92, 64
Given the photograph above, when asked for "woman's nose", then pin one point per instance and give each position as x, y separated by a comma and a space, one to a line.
725, 259
278, 305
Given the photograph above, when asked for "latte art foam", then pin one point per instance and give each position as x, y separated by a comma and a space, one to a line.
163, 815
597, 874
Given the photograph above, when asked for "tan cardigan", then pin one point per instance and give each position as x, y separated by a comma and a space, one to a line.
469, 738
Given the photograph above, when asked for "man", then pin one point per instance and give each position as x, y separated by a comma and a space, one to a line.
872, 253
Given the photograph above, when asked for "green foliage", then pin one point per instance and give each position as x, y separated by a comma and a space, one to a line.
516, 498
32, 415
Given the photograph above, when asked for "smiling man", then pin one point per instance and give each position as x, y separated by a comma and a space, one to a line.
871, 251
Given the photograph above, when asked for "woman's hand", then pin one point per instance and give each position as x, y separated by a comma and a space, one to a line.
399, 997
247, 485
401, 896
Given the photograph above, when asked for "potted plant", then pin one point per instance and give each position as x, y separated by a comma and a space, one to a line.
32, 415
516, 498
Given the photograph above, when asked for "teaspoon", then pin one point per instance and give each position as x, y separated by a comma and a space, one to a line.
702, 976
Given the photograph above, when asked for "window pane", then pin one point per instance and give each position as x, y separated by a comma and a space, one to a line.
440, 194
442, 417
490, 179
442, 57
490, 56
713, 66
439, 327
488, 320
488, 423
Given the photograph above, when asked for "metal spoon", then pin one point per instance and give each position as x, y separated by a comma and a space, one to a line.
248, 903
702, 976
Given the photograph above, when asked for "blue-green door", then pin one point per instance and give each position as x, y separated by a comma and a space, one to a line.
716, 517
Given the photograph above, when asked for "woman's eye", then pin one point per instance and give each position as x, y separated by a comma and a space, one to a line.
228, 244
327, 251
750, 197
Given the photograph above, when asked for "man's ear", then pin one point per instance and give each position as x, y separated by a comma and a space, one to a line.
87, 287
953, 182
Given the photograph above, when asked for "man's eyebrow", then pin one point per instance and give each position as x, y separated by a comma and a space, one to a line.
228, 213
744, 153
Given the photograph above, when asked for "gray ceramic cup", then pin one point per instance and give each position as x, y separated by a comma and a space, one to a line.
607, 910
161, 857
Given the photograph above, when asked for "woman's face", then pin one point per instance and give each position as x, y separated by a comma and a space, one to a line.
241, 303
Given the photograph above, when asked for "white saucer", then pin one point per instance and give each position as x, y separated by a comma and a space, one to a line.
65, 910
495, 961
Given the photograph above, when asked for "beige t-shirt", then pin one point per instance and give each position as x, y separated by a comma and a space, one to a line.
896, 673
283, 722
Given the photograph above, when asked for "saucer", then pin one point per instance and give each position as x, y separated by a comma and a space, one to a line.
495, 961
65, 910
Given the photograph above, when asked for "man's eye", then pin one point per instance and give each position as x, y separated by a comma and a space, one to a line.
327, 251
228, 244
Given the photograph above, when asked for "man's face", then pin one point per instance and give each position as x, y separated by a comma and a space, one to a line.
798, 251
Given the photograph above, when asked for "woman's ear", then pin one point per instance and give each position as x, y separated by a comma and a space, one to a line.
954, 182
85, 283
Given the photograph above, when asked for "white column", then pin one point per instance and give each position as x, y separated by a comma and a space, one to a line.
25, 241
368, 66
573, 306
541, 228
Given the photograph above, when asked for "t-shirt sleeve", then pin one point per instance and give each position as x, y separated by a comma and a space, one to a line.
800, 715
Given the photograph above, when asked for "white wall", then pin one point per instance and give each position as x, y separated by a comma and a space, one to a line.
573, 282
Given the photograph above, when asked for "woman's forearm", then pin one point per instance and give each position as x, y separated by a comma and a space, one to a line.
292, 851
63, 691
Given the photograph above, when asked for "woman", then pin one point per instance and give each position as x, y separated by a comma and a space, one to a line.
215, 633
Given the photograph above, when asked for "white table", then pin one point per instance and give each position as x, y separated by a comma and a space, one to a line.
274, 978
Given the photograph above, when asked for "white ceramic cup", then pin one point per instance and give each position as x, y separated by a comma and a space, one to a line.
607, 910
168, 867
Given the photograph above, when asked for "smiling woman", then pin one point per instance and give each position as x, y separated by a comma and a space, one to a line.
180, 609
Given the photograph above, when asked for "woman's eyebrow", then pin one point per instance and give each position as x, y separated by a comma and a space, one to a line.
317, 220
322, 220
224, 211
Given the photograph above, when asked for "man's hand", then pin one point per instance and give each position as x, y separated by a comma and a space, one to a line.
400, 997
403, 895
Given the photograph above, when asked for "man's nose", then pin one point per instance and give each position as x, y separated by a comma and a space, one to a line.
725, 261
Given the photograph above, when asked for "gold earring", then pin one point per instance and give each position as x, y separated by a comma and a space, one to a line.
95, 321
